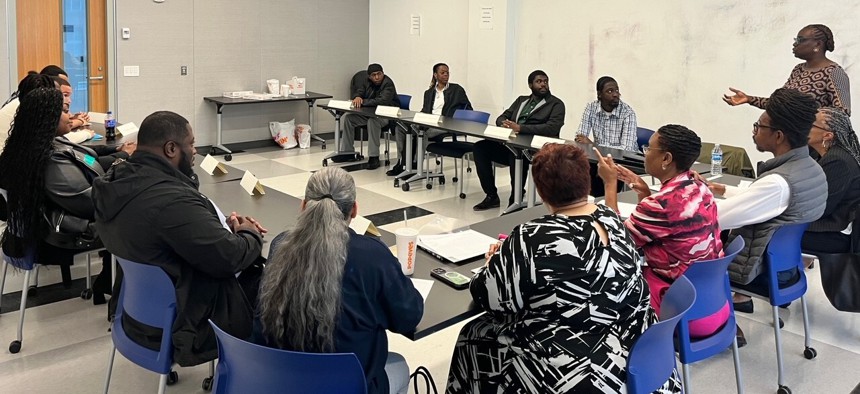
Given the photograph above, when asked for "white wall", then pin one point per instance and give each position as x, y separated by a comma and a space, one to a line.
229, 45
673, 59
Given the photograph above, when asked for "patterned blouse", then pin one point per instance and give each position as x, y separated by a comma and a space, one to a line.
567, 309
829, 85
677, 226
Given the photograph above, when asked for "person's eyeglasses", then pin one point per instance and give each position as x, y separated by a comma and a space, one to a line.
757, 126
822, 128
646, 148
799, 39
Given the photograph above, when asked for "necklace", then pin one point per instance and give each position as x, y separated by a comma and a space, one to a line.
573, 205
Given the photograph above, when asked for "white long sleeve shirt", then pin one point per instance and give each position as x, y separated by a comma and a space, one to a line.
764, 199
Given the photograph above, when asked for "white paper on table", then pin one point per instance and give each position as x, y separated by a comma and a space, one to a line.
385, 110
97, 117
250, 183
362, 225
539, 141
712, 177
340, 104
744, 184
498, 132
210, 164
625, 209
430, 119
423, 286
128, 132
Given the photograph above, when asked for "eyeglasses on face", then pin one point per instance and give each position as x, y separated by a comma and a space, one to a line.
822, 128
646, 148
757, 126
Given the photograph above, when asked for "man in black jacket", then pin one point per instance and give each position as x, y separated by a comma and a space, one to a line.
148, 210
540, 113
378, 89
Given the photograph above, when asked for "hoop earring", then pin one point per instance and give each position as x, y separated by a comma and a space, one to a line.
664, 168
816, 49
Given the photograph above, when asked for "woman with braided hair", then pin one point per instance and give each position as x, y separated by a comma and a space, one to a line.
834, 145
675, 226
817, 75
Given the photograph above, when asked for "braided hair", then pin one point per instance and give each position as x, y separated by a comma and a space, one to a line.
602, 81
793, 113
823, 33
840, 125
682, 143
23, 161
435, 69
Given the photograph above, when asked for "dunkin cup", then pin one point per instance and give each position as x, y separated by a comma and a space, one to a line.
407, 243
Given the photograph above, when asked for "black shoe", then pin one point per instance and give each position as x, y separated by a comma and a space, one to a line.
394, 171
344, 158
488, 203
372, 163
742, 340
99, 299
745, 307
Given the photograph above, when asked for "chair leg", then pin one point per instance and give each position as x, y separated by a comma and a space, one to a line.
462, 181
89, 272
162, 383
686, 372
15, 346
807, 340
3, 281
778, 341
110, 368
737, 359
36, 278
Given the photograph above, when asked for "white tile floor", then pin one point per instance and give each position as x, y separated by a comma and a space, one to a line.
66, 344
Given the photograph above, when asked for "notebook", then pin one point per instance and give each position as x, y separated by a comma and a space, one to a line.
456, 247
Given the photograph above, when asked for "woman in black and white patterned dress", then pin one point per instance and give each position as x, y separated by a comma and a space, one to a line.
564, 296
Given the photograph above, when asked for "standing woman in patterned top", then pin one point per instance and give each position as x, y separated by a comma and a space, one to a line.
818, 75
564, 296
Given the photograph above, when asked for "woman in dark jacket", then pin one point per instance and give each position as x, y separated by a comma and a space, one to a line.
441, 98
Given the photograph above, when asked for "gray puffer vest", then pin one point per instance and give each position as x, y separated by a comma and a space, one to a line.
807, 199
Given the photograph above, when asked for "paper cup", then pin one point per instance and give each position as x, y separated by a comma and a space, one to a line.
407, 242
285, 90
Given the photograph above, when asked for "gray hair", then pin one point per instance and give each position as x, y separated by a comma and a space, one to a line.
300, 292
840, 124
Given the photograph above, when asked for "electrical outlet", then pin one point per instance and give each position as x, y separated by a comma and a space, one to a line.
183, 70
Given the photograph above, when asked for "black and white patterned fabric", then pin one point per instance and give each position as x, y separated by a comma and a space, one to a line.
563, 311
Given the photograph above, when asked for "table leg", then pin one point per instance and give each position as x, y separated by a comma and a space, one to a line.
408, 172
313, 124
420, 173
517, 190
337, 130
218, 144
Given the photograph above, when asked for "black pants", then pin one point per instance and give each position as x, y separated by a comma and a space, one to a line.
489, 152
825, 242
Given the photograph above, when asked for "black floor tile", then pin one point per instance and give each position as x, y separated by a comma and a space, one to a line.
396, 215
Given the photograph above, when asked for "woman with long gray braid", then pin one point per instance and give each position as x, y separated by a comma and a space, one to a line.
326, 289
833, 143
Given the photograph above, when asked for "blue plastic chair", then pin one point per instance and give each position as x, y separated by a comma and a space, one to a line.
642, 136
652, 359
783, 254
147, 295
457, 149
711, 280
244, 367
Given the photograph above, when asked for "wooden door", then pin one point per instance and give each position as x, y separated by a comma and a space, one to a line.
97, 48
40, 34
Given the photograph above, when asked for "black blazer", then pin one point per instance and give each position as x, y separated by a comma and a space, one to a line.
843, 190
546, 119
455, 98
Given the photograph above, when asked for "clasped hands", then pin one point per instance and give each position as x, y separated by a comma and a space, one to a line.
247, 223
508, 124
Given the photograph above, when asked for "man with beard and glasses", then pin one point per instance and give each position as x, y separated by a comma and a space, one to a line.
610, 121
148, 210
539, 113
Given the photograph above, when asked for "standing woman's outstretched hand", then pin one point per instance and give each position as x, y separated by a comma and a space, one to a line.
738, 98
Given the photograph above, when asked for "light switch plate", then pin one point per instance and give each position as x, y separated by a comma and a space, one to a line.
126, 33
131, 71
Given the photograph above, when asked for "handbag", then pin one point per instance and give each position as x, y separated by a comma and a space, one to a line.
429, 384
840, 278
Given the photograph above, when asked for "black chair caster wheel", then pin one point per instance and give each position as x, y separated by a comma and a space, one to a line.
463, 195
325, 162
228, 157
442, 180
783, 390
87, 294
387, 163
32, 291
172, 378
15, 346
455, 179
396, 182
405, 186
469, 169
323, 146
428, 185
359, 157
207, 384
809, 353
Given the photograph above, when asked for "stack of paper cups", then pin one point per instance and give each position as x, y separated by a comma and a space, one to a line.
285, 90
273, 85
407, 240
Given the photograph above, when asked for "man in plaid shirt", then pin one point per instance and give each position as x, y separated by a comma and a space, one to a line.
611, 122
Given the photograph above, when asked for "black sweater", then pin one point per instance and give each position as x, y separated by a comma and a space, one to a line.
546, 119
843, 190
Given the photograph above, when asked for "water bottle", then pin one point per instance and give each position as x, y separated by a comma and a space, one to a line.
110, 126
717, 160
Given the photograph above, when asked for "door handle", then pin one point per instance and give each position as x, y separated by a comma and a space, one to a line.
98, 78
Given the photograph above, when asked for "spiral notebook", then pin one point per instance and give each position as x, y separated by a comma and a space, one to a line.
456, 247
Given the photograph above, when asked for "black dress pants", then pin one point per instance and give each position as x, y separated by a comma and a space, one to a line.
488, 152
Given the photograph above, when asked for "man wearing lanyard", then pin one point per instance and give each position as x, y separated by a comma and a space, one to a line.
539, 113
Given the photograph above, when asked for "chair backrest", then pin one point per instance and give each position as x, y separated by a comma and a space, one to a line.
405, 99
474, 116
250, 368
652, 358
642, 136
148, 296
783, 254
713, 292
357, 82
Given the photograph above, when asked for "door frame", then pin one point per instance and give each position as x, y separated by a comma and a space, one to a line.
12, 49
